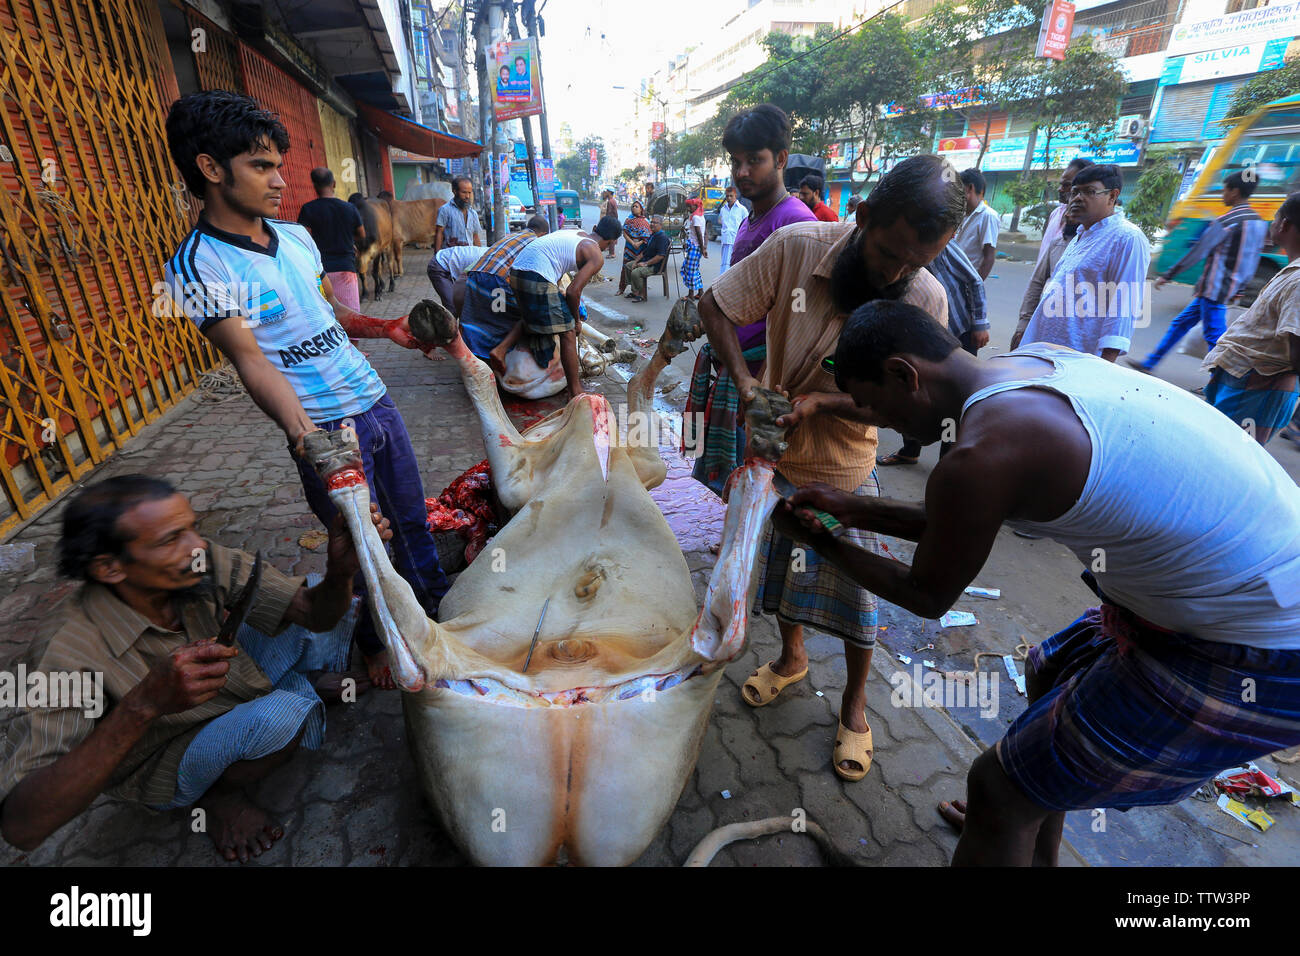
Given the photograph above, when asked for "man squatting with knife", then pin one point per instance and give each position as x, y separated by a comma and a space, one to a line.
176, 718
1192, 662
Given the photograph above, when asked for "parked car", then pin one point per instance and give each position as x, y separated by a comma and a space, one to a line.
517, 213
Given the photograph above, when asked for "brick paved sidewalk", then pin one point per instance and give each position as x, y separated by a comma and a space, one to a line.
357, 801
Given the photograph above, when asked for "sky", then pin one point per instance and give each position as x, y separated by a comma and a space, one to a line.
592, 46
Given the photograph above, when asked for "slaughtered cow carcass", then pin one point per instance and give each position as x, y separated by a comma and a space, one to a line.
580, 751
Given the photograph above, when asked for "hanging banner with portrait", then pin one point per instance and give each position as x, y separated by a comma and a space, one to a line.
516, 80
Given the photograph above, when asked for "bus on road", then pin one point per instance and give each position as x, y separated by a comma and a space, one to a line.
1267, 142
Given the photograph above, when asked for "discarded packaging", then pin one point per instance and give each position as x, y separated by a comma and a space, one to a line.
957, 619
929, 664
1255, 819
1013, 672
820, 694
1250, 781
904, 658
726, 794
991, 593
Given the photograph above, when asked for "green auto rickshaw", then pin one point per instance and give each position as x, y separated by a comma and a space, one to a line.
568, 204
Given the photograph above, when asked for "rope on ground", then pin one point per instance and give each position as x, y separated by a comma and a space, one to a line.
220, 385
714, 841
1021, 653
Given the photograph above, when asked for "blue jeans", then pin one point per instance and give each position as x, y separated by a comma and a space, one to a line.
394, 478
1200, 309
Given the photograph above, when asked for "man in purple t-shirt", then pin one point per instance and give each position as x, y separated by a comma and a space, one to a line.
759, 143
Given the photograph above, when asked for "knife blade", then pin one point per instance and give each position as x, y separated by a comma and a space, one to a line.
239, 607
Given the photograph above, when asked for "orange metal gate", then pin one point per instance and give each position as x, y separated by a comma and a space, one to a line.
89, 214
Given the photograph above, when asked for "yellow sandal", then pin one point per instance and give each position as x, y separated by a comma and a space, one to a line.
854, 747
764, 685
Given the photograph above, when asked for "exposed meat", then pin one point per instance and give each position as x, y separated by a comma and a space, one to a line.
465, 506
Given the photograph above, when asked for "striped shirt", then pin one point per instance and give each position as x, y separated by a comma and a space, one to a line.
501, 254
1259, 340
100, 634
787, 279
277, 290
1231, 245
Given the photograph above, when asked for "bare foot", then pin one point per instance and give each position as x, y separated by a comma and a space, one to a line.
954, 812
239, 829
329, 687
381, 676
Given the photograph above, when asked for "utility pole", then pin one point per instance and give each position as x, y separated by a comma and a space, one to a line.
530, 23
488, 22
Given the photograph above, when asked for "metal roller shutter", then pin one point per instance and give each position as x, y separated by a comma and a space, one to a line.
276, 91
89, 214
1181, 116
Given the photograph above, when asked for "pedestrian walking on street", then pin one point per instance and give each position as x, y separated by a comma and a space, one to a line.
758, 140
1095, 296
611, 210
693, 246
335, 226
1256, 361
256, 287
731, 214
1231, 247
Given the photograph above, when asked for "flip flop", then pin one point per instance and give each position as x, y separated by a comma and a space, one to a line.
896, 459
764, 684
855, 747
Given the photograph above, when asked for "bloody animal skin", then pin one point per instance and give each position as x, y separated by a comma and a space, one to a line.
585, 754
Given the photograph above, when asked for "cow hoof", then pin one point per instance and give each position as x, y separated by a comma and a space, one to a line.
767, 439
431, 323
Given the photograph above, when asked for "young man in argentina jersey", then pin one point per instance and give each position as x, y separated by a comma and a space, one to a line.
255, 285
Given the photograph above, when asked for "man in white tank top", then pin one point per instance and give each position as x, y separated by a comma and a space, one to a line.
535, 277
1192, 663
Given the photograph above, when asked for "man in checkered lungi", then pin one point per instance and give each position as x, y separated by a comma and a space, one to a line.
1190, 666
805, 279
535, 277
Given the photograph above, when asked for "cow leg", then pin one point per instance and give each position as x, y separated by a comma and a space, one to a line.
684, 325
374, 273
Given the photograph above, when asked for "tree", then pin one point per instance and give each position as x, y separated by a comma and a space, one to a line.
1264, 88
663, 151
877, 65
1081, 91
584, 147
572, 171
979, 51
1155, 188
